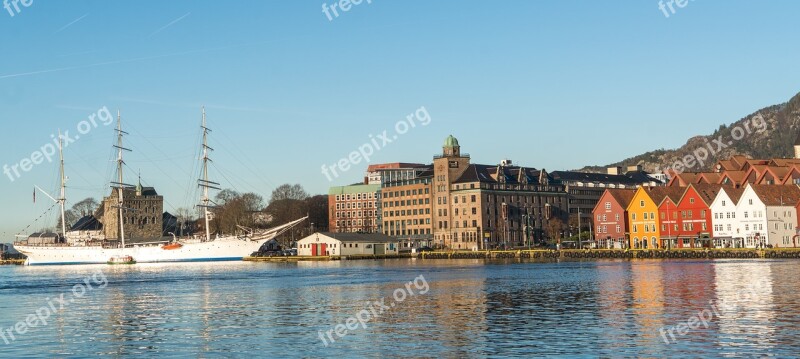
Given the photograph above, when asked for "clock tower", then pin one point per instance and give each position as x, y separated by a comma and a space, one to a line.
447, 168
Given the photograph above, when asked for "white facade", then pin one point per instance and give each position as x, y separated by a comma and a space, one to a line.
344, 244
751, 219
725, 224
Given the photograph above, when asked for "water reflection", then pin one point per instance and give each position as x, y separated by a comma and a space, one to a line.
473, 309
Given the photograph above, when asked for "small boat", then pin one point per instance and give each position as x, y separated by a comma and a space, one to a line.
121, 260
172, 246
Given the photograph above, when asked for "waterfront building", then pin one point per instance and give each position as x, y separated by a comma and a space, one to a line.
768, 215
142, 216
456, 204
584, 189
782, 205
406, 208
724, 222
645, 212
694, 215
354, 208
346, 244
391, 172
611, 217
644, 231
669, 218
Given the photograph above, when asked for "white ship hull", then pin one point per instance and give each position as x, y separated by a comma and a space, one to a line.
220, 249
217, 250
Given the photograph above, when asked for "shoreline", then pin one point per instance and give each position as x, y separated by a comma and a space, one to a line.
695, 253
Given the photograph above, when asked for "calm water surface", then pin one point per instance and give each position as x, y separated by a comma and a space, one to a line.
472, 309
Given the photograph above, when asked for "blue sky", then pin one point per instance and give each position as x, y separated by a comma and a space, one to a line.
549, 84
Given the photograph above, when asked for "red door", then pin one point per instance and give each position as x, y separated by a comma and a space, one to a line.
324, 252
313, 250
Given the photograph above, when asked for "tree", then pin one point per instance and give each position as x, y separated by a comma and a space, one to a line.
555, 227
317, 209
86, 207
288, 191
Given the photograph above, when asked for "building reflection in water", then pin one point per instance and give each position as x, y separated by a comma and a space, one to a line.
745, 303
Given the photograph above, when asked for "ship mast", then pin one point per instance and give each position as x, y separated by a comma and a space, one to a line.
120, 185
204, 182
63, 199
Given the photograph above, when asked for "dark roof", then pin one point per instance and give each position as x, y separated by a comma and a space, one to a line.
359, 237
44, 235
595, 177
641, 177
87, 223
510, 174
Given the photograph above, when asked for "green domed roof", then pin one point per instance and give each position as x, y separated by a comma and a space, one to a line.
451, 141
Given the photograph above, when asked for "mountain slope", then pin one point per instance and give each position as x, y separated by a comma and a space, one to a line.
741, 137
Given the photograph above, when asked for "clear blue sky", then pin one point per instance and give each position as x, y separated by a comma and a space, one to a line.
549, 84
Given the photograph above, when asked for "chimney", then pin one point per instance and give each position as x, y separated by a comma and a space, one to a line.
636, 168
615, 170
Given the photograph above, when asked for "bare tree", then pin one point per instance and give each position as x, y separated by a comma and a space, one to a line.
86, 207
288, 191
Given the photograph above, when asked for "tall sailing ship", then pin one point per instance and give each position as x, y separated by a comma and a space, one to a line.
98, 249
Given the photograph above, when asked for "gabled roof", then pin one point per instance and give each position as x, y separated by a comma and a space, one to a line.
776, 195
683, 179
736, 177
733, 193
707, 192
708, 177
87, 223
622, 196
784, 162
659, 194
739, 161
778, 173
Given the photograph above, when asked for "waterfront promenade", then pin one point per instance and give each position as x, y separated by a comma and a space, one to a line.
696, 253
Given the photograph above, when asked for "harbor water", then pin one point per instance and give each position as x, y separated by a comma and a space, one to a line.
407, 308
